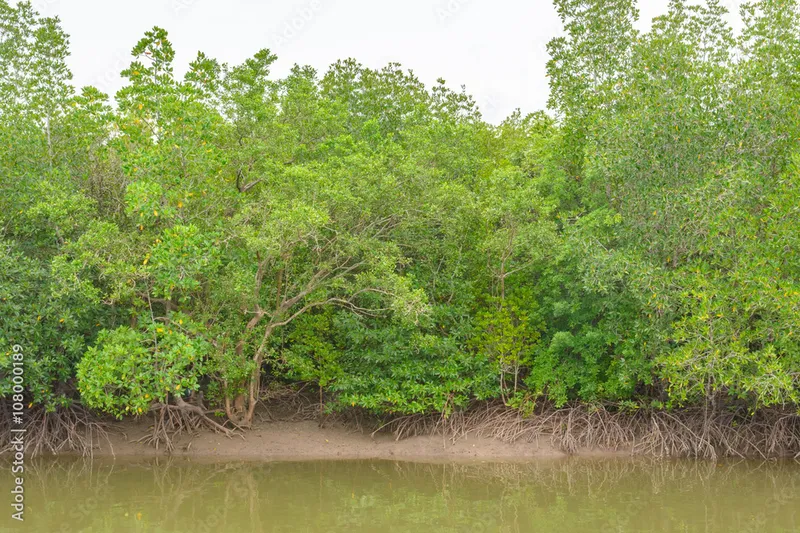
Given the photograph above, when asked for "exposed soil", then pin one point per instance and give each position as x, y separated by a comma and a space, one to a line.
292, 429
307, 440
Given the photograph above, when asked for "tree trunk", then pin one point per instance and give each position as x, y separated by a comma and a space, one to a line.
245, 413
254, 389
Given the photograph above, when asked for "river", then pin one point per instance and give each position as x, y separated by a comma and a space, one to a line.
557, 495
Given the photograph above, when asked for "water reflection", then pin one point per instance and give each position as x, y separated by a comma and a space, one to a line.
567, 495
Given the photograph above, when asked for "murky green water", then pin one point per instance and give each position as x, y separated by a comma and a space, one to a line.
621, 495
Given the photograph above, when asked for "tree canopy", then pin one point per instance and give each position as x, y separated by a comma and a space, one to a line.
637, 245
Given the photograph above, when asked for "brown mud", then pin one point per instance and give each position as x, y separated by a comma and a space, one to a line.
296, 429
305, 439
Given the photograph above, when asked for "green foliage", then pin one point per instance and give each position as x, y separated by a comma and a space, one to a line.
51, 320
181, 260
693, 154
129, 369
398, 369
508, 334
363, 232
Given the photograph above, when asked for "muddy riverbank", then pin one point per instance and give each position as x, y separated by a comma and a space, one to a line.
288, 440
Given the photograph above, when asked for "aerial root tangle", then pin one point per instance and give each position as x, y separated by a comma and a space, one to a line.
172, 420
284, 403
65, 429
681, 433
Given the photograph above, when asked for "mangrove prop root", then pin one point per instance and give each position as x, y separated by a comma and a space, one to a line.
172, 420
691, 432
65, 429
682, 433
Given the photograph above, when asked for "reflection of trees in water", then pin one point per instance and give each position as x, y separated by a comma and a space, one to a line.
51, 480
205, 495
619, 495
163, 494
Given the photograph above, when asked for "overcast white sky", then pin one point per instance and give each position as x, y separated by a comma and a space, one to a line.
494, 47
